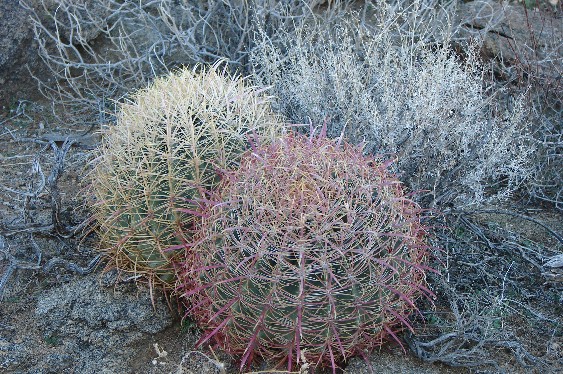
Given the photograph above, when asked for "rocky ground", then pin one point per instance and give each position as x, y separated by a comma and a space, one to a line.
59, 311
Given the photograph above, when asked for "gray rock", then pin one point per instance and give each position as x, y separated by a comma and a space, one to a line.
17, 53
98, 326
57, 363
85, 302
513, 34
14, 32
12, 354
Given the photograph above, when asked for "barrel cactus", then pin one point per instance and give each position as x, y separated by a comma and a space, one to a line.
311, 252
163, 153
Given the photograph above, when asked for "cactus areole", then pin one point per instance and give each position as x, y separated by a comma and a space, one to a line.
312, 253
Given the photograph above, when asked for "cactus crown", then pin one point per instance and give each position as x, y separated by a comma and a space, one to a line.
312, 252
160, 157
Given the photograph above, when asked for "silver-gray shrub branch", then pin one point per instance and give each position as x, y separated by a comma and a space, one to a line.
405, 96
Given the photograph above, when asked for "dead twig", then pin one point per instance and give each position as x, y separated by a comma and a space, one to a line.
70, 266
491, 295
57, 170
518, 215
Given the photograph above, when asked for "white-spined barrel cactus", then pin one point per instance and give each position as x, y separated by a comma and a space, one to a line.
312, 250
160, 157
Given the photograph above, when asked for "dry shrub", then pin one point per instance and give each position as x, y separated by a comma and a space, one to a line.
497, 308
402, 90
534, 65
99, 50
524, 43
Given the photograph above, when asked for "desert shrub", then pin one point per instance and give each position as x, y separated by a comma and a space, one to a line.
499, 304
161, 156
405, 93
548, 186
522, 41
535, 67
310, 253
98, 51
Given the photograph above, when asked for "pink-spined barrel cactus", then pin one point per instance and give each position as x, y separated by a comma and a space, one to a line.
311, 253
